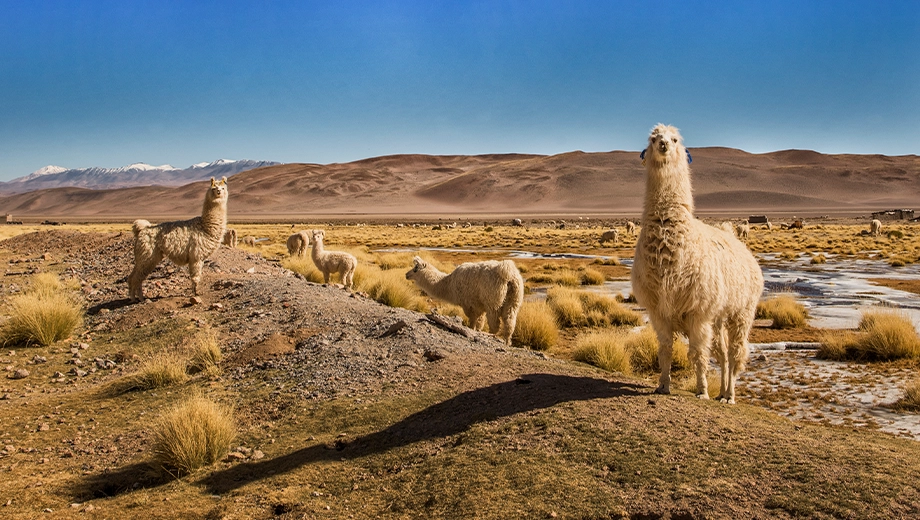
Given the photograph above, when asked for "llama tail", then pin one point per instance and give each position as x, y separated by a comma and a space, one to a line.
514, 297
139, 225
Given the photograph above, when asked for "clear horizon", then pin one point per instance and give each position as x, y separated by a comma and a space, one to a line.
107, 83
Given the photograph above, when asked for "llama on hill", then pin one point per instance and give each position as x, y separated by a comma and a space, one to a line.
329, 262
691, 277
492, 289
185, 242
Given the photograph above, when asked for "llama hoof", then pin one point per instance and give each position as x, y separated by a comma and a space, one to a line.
663, 390
726, 400
704, 397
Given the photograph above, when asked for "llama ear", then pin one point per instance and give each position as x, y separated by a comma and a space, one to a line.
223, 180
418, 261
212, 182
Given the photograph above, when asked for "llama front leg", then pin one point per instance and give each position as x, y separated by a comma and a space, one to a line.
665, 354
194, 272
720, 350
700, 344
477, 319
143, 266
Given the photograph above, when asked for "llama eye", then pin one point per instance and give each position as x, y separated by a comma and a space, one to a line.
674, 139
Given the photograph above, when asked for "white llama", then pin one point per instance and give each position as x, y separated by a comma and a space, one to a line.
230, 239
185, 242
492, 289
630, 227
329, 262
298, 242
611, 235
875, 227
691, 277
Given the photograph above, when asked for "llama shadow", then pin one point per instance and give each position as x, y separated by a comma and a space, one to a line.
110, 305
450, 417
113, 483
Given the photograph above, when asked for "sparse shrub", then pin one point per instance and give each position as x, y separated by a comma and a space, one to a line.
613, 260
643, 349
42, 315
911, 400
163, 369
388, 261
898, 261
567, 277
605, 350
882, 336
489, 229
592, 277
579, 308
536, 326
391, 288
567, 306
895, 234
789, 255
784, 310
205, 352
193, 434
819, 259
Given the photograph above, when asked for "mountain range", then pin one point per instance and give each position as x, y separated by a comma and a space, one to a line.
725, 181
137, 174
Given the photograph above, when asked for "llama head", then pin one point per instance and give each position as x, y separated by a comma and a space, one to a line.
665, 145
218, 191
318, 235
419, 265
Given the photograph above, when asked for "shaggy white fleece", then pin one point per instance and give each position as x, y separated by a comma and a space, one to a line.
329, 262
691, 277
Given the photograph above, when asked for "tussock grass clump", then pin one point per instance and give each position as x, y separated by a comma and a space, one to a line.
592, 277
881, 336
390, 288
819, 259
304, 266
606, 350
42, 315
205, 353
193, 434
163, 369
627, 353
536, 326
580, 308
613, 260
785, 311
388, 261
911, 400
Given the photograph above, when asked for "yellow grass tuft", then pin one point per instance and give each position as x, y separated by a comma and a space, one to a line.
592, 277
882, 336
163, 369
304, 266
579, 308
390, 288
606, 350
193, 434
42, 315
911, 400
205, 353
643, 348
536, 327
784, 310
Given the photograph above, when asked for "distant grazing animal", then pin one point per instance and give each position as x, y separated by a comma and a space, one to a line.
611, 235
229, 239
329, 262
517, 222
798, 224
742, 230
298, 242
248, 240
185, 242
492, 289
691, 277
875, 227
630, 227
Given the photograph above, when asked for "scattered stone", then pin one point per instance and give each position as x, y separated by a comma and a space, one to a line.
195, 300
39, 359
235, 455
83, 346
251, 270
257, 455
77, 372
88, 508
43, 427
57, 375
216, 306
46, 256
5, 397
434, 355
20, 374
244, 450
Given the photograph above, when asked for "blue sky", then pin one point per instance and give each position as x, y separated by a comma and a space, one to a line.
96, 83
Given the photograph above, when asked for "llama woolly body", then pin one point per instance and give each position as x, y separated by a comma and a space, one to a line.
297, 243
492, 289
184, 242
691, 277
875, 227
329, 262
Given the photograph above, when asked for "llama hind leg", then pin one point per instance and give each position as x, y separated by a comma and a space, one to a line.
194, 272
143, 266
700, 344
476, 318
720, 350
737, 353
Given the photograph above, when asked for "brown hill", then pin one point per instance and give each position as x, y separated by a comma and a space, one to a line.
725, 180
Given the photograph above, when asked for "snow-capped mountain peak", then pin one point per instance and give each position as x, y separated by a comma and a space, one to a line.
47, 170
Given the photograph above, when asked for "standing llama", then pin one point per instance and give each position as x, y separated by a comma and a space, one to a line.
492, 288
630, 227
611, 235
875, 227
185, 242
329, 262
297, 243
230, 240
692, 278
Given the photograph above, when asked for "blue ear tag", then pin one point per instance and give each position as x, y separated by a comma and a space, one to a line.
689, 159
642, 155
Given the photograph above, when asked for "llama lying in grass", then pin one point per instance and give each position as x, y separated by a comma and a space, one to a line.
492, 289
329, 262
875, 227
229, 239
298, 242
691, 277
185, 242
611, 235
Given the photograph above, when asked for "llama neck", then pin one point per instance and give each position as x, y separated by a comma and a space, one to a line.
317, 248
214, 217
429, 280
668, 193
